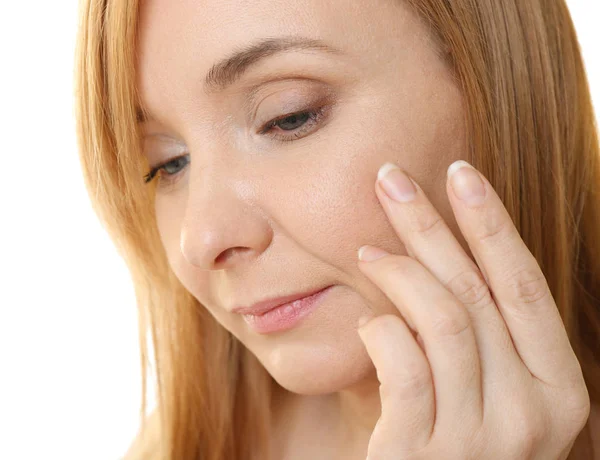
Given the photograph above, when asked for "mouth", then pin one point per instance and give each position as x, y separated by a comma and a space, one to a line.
283, 316
264, 306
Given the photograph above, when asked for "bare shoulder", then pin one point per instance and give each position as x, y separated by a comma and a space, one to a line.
145, 445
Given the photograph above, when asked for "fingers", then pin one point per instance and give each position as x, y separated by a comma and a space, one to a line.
498, 310
406, 387
429, 240
519, 286
444, 327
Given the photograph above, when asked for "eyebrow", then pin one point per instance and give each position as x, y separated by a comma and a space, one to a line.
230, 69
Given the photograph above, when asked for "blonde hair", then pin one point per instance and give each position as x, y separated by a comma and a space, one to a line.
532, 133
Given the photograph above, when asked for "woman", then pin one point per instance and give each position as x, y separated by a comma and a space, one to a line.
233, 151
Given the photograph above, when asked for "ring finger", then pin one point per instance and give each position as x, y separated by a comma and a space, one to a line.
429, 240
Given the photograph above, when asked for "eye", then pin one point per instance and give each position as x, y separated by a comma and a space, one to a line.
169, 170
296, 124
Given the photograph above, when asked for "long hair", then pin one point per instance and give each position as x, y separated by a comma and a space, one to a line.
531, 131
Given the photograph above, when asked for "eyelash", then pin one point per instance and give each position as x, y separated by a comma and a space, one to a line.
314, 118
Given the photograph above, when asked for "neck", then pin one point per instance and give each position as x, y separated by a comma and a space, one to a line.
340, 422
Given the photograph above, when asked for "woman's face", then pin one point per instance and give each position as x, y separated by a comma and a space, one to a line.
263, 212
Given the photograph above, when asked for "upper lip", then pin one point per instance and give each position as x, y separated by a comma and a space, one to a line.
269, 304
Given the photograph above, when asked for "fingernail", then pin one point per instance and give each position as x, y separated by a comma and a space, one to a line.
370, 253
466, 183
397, 185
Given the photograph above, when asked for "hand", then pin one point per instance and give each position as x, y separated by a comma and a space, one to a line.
492, 374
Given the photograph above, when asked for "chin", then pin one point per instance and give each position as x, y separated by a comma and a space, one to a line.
319, 373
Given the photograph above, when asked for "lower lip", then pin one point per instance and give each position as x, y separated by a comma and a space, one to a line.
285, 316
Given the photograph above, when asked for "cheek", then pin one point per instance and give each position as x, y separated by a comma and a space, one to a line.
346, 210
333, 209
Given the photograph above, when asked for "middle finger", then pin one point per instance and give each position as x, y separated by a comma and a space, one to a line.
429, 240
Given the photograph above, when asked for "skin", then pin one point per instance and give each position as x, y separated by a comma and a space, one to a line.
306, 206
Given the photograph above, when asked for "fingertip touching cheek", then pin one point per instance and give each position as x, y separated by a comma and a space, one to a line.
264, 127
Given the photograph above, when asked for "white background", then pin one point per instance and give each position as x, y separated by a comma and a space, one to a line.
69, 371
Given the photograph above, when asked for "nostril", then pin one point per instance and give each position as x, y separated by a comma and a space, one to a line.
229, 253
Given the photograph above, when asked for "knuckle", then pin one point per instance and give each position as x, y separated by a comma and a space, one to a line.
529, 287
427, 223
448, 324
526, 446
402, 266
493, 230
577, 411
584, 407
531, 438
531, 432
387, 323
413, 383
470, 288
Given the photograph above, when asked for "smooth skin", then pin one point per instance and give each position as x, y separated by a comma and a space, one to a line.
251, 217
493, 375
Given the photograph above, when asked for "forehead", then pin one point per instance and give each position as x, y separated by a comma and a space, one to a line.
180, 41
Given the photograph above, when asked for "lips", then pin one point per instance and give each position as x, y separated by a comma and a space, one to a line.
264, 306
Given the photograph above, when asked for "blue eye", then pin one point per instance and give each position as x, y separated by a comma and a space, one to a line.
296, 124
168, 169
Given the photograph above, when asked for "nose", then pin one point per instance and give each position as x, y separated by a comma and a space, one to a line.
221, 226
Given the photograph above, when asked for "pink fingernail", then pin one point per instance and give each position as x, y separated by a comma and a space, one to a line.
370, 253
466, 183
396, 183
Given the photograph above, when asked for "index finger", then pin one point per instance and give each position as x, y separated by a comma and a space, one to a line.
517, 282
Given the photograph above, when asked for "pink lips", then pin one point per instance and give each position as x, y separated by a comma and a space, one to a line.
273, 315
261, 307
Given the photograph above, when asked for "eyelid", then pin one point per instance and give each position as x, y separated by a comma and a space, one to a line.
164, 136
253, 92
162, 164
312, 94
285, 111
317, 119
169, 147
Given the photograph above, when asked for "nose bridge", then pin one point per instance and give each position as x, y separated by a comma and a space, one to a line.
220, 223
